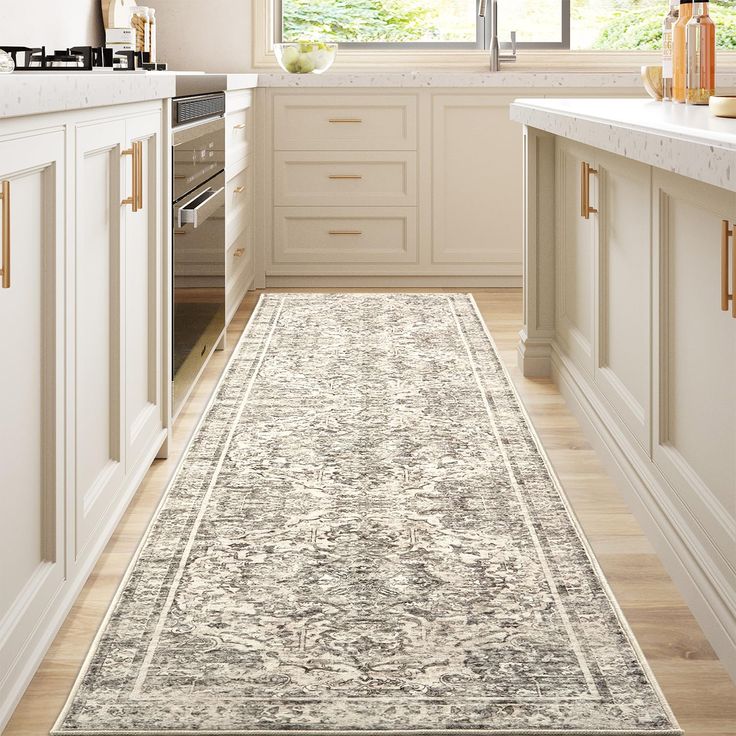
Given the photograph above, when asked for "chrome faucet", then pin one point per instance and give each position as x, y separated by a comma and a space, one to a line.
496, 56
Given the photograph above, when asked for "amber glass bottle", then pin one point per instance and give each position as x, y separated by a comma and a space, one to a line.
700, 45
679, 53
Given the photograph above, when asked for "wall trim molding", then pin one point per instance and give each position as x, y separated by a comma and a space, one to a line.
691, 565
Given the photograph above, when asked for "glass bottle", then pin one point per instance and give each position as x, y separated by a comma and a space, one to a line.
669, 21
700, 44
152, 34
679, 57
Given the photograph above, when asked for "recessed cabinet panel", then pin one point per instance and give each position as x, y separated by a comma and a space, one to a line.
344, 122
31, 409
477, 189
576, 244
142, 342
345, 235
695, 384
98, 280
345, 178
624, 303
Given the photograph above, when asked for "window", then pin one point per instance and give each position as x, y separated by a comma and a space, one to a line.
540, 24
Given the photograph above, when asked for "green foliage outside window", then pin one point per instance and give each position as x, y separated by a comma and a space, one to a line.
357, 20
600, 24
641, 28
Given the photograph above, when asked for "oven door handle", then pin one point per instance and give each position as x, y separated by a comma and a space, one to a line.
195, 214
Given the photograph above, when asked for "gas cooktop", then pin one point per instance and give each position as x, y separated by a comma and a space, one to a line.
80, 58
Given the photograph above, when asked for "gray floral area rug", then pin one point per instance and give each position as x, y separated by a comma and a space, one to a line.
365, 537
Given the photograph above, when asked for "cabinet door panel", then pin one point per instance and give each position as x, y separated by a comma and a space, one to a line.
624, 285
694, 386
31, 394
575, 257
142, 359
97, 269
476, 187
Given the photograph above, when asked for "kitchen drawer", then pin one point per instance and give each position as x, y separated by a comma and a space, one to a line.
345, 178
237, 136
239, 255
238, 100
345, 122
345, 235
239, 200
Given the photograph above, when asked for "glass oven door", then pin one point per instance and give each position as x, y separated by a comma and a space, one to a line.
199, 282
198, 154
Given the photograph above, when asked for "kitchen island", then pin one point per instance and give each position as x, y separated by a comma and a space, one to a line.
629, 274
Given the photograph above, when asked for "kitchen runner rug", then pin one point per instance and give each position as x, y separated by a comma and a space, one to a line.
365, 536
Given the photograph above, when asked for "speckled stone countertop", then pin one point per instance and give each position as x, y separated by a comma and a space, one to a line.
683, 139
31, 93
458, 78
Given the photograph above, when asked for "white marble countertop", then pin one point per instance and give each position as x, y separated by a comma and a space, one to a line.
31, 93
679, 138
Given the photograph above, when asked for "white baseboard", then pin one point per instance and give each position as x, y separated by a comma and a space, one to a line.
31, 655
414, 282
649, 497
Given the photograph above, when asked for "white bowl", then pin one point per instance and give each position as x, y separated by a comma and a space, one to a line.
305, 57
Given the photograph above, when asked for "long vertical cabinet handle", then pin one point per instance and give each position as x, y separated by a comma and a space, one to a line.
585, 171
138, 147
5, 234
136, 156
726, 296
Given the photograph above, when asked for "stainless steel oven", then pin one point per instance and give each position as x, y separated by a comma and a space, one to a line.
198, 217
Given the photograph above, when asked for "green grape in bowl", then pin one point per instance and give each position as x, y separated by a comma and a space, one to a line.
305, 57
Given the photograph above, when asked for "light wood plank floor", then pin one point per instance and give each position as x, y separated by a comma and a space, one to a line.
695, 683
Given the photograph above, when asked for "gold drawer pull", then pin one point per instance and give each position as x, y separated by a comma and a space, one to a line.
238, 190
344, 176
240, 126
136, 196
346, 120
5, 234
585, 171
344, 232
726, 297
239, 252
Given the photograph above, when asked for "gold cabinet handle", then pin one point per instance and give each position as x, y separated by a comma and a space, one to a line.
240, 126
5, 234
344, 176
346, 120
239, 252
344, 232
136, 195
585, 171
239, 190
726, 296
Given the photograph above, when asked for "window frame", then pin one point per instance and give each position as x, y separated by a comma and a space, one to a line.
482, 36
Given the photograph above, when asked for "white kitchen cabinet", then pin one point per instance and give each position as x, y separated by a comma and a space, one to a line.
623, 290
96, 371
81, 388
695, 350
142, 308
476, 182
603, 290
116, 385
240, 255
32, 569
576, 242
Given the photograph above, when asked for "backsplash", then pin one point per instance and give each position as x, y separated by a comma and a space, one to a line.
55, 25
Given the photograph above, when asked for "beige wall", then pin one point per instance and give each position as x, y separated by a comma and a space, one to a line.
51, 23
211, 36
